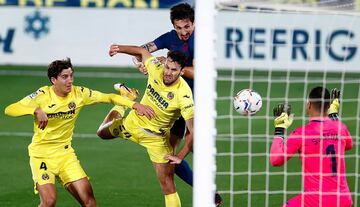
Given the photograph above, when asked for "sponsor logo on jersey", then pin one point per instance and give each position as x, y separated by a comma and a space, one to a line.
170, 95
45, 176
156, 97
62, 115
72, 105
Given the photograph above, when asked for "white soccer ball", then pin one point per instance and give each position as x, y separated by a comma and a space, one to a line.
247, 102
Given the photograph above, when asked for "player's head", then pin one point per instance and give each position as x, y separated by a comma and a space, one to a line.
318, 101
173, 67
182, 18
60, 74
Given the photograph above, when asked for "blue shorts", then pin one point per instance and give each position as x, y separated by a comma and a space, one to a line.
178, 128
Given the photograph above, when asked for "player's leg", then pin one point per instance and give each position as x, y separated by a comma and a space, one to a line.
109, 128
47, 194
165, 175
75, 180
183, 169
82, 192
44, 180
158, 147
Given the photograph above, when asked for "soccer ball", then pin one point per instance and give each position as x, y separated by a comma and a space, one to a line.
247, 102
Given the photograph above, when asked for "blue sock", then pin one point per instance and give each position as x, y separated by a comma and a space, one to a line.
184, 172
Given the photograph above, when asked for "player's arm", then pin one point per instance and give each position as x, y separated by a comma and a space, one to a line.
281, 151
188, 146
28, 106
189, 72
91, 97
333, 111
130, 50
137, 60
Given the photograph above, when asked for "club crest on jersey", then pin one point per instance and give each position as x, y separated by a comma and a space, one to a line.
45, 176
170, 95
72, 105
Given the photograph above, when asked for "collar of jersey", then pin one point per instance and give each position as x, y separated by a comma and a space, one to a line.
319, 119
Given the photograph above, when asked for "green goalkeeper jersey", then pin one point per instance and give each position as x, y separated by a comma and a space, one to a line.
62, 112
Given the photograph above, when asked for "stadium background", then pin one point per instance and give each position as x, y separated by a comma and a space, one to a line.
36, 32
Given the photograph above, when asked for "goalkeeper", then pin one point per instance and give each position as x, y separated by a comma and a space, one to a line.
55, 109
321, 144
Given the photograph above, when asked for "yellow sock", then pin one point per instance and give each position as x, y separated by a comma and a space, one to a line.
172, 200
120, 109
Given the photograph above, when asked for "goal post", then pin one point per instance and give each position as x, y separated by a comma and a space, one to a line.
205, 91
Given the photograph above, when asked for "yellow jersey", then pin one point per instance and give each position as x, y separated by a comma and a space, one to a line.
62, 112
168, 102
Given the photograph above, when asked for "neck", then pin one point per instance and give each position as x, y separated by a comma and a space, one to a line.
59, 93
314, 114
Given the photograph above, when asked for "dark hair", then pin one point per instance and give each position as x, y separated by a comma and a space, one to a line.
178, 57
57, 66
181, 11
320, 98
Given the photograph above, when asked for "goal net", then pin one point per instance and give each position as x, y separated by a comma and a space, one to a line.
281, 49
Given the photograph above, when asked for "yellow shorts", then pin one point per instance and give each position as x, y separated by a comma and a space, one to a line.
157, 146
65, 168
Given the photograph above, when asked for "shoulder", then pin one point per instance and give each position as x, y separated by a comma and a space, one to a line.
184, 90
166, 37
40, 93
152, 61
297, 132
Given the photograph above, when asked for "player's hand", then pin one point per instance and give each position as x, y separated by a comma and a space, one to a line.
41, 118
283, 115
173, 159
140, 65
114, 49
143, 110
335, 101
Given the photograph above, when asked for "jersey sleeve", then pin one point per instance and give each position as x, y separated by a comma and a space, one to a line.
161, 41
282, 150
186, 103
92, 96
348, 139
25, 106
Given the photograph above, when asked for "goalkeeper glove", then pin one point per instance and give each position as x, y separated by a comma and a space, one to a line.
335, 104
283, 119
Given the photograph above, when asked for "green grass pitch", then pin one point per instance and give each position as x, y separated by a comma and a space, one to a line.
120, 171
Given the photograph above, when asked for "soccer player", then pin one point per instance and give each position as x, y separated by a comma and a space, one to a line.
321, 144
170, 97
55, 109
181, 38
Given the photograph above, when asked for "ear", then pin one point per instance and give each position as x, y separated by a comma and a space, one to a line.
182, 71
53, 79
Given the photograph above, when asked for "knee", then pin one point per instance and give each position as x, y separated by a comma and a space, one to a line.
103, 133
168, 185
48, 202
89, 202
